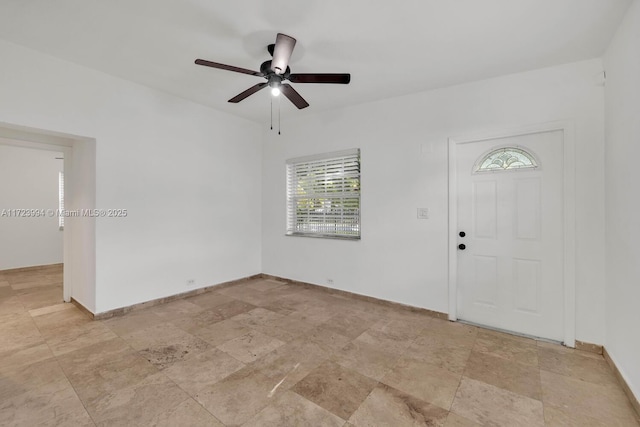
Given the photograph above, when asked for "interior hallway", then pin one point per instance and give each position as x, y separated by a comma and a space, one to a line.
269, 353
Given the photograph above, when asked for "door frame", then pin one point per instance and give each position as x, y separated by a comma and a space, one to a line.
79, 238
568, 173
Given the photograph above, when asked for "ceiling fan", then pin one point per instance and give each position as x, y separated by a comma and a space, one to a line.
277, 70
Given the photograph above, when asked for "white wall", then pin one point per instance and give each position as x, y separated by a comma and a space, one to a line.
404, 166
188, 175
29, 180
622, 151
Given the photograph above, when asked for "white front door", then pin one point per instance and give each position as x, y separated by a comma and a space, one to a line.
510, 267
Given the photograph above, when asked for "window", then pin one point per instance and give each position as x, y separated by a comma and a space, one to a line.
323, 195
61, 200
506, 158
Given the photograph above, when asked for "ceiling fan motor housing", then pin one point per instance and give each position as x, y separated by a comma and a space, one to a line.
266, 69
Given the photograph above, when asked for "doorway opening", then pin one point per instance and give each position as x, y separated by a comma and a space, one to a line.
511, 232
76, 162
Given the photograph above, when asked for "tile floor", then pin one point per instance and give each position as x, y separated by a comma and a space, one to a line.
266, 353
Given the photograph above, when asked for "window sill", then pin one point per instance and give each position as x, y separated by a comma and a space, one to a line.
323, 236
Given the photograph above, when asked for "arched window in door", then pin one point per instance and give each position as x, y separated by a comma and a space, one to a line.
505, 158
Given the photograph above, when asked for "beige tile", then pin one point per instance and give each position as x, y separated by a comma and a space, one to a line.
7, 292
455, 420
233, 308
133, 321
239, 397
335, 388
442, 351
37, 282
137, 404
189, 413
211, 299
10, 305
424, 357
65, 340
250, 346
566, 350
292, 410
284, 328
221, 332
78, 417
384, 341
104, 368
243, 293
197, 321
451, 329
17, 331
327, 341
24, 356
27, 378
55, 322
265, 285
202, 370
51, 309
513, 376
311, 314
277, 306
386, 406
574, 364
401, 328
175, 309
54, 399
165, 344
39, 297
555, 416
486, 404
424, 381
606, 403
507, 347
291, 362
257, 316
350, 324
365, 359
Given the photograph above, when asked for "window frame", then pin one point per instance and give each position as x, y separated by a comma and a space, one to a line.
60, 201
337, 172
526, 152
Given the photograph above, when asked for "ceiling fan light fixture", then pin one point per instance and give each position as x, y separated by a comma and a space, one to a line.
276, 71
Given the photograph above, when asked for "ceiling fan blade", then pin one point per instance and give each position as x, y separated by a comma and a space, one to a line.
282, 52
320, 78
294, 96
228, 67
248, 92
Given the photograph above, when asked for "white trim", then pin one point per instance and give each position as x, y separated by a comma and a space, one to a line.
569, 206
324, 156
24, 137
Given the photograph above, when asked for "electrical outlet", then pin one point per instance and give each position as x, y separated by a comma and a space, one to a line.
423, 213
191, 283
329, 281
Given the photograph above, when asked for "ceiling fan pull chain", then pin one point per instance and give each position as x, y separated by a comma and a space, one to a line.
278, 115
271, 113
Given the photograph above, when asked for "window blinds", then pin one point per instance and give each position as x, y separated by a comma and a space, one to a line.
323, 195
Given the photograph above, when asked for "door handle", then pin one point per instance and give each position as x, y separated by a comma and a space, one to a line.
462, 246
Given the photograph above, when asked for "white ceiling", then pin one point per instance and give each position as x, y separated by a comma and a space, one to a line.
390, 48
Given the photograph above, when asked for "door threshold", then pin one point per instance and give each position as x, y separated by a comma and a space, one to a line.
504, 331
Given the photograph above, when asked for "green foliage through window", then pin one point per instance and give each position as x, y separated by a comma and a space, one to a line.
323, 195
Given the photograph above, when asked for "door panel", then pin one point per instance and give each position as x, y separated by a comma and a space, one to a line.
485, 209
527, 209
510, 274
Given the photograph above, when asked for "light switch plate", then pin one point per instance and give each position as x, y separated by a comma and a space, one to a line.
423, 213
